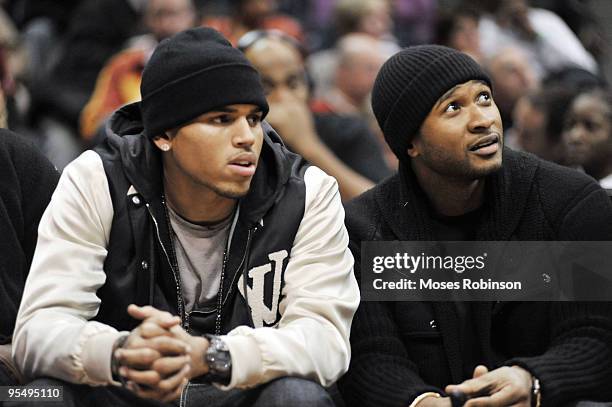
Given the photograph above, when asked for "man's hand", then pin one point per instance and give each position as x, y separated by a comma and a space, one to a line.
294, 122
197, 350
506, 386
155, 363
164, 329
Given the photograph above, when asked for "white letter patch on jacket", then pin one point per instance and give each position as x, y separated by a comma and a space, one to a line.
260, 312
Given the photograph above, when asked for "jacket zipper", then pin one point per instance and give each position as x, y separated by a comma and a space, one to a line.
246, 250
177, 279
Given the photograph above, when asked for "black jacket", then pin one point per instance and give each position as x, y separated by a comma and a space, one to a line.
27, 180
403, 349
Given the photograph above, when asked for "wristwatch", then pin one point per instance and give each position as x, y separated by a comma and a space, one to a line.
219, 361
115, 365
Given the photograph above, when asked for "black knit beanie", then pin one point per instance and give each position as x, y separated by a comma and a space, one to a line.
410, 83
192, 73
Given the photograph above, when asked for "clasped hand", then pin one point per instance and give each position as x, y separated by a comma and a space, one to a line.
502, 387
159, 357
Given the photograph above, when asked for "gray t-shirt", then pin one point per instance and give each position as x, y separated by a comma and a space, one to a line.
199, 253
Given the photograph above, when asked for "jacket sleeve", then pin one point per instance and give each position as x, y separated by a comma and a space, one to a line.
53, 334
320, 296
578, 363
381, 372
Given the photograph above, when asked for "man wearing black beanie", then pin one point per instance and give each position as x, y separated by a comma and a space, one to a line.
457, 182
190, 254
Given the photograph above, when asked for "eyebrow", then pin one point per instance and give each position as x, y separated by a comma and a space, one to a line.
450, 92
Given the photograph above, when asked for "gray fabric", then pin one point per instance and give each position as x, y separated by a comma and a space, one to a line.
199, 253
7, 376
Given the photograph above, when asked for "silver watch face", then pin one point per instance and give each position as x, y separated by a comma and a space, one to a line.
218, 357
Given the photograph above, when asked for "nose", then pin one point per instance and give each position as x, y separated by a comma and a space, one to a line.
575, 135
482, 118
243, 134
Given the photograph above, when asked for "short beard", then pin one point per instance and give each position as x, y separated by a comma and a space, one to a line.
230, 194
439, 160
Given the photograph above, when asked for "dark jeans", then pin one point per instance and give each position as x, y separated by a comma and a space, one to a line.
6, 376
9, 376
287, 391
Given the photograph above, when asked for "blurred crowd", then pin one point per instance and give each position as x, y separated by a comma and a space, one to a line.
65, 66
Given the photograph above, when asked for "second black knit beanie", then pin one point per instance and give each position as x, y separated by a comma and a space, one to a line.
192, 73
409, 84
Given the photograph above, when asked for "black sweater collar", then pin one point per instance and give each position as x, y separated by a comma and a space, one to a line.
405, 207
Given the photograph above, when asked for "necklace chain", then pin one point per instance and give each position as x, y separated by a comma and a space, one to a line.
174, 264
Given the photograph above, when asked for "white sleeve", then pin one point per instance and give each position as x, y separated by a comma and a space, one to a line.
53, 335
320, 298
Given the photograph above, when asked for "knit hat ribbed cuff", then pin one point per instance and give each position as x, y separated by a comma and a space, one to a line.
192, 73
186, 98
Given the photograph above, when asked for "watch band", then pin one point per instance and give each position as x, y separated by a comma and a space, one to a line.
115, 365
219, 361
536, 395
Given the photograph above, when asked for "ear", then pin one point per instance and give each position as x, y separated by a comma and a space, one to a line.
164, 143
413, 149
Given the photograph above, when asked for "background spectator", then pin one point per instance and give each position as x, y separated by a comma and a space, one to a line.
371, 17
548, 42
248, 15
62, 86
341, 145
119, 82
344, 77
359, 57
588, 135
538, 122
97, 30
458, 28
513, 76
